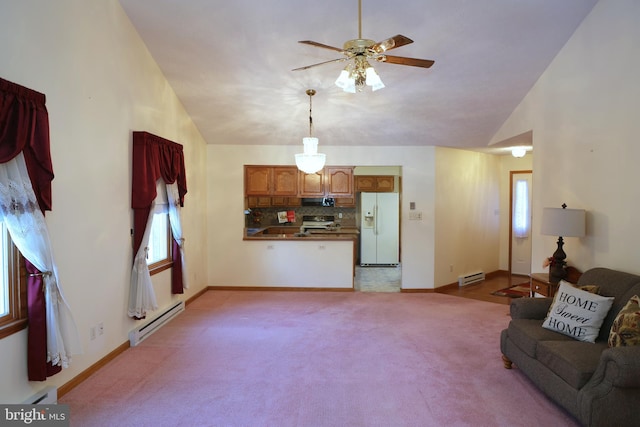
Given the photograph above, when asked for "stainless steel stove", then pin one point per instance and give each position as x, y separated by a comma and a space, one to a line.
318, 221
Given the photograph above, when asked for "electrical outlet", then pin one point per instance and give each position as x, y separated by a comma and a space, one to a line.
415, 216
451, 268
92, 333
100, 328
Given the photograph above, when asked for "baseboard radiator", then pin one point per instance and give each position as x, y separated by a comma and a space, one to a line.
468, 279
141, 333
46, 396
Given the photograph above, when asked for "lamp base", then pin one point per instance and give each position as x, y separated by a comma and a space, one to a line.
557, 272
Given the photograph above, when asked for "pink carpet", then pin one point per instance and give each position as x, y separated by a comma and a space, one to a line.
244, 358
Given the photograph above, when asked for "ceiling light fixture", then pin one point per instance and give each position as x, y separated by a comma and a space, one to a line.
358, 74
310, 161
518, 151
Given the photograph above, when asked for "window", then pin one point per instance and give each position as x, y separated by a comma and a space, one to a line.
13, 287
521, 223
159, 253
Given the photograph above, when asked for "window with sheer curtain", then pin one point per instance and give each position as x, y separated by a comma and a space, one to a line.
26, 173
158, 175
521, 215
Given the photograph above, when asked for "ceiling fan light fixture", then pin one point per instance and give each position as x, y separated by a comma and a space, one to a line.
343, 79
373, 79
310, 161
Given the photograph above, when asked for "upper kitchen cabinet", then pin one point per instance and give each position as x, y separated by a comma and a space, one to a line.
339, 181
285, 181
270, 180
311, 184
370, 183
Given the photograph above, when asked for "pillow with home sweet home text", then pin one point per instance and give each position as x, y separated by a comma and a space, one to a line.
577, 313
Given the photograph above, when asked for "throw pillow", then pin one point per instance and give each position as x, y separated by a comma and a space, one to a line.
625, 330
577, 313
594, 289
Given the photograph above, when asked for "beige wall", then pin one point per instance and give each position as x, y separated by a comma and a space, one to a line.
229, 264
584, 115
467, 214
101, 84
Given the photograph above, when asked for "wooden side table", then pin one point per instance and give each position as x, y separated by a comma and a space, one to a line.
540, 284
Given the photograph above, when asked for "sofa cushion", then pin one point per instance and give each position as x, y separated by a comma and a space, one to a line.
573, 361
625, 330
526, 333
577, 313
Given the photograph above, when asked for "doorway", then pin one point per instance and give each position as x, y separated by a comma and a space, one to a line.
520, 222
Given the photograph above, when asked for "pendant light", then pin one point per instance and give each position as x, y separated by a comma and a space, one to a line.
310, 161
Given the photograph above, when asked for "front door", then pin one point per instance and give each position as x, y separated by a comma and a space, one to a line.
520, 223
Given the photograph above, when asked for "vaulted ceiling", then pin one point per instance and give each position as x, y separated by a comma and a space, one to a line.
230, 64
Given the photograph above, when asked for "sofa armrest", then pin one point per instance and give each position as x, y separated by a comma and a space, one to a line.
621, 366
530, 308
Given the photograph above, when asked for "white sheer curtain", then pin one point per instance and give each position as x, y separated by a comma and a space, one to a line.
142, 297
176, 225
521, 222
29, 233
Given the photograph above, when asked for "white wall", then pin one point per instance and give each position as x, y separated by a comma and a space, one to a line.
228, 263
467, 214
584, 115
101, 84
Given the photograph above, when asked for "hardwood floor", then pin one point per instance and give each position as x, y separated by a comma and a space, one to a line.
482, 290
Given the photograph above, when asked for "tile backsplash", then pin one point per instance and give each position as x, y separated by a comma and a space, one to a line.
269, 216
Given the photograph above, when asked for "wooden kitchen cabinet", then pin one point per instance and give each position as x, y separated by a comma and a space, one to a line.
285, 181
339, 182
257, 180
258, 202
285, 201
345, 202
380, 183
311, 184
271, 181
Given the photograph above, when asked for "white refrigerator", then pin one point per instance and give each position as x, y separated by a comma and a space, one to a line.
379, 228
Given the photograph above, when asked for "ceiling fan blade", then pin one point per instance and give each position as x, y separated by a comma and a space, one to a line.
391, 43
316, 44
320, 63
424, 63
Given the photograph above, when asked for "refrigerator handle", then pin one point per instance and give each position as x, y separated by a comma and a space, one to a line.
375, 220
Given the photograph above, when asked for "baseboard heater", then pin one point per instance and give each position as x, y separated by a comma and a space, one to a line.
46, 396
140, 334
470, 278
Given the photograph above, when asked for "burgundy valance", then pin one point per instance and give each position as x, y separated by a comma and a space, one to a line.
24, 127
153, 158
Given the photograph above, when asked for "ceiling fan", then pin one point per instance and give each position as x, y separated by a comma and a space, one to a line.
359, 73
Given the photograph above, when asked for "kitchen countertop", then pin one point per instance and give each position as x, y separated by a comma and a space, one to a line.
293, 233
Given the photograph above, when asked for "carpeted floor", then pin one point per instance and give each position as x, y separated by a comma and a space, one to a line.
245, 358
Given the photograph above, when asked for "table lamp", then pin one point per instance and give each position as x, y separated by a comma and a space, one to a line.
561, 222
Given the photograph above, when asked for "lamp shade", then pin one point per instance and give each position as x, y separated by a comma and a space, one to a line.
563, 222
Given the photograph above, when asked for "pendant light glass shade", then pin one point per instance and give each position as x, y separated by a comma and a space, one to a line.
310, 161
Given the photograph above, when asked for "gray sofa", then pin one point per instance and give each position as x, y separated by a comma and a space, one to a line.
598, 385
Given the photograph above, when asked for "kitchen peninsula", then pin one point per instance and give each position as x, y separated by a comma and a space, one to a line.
301, 227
